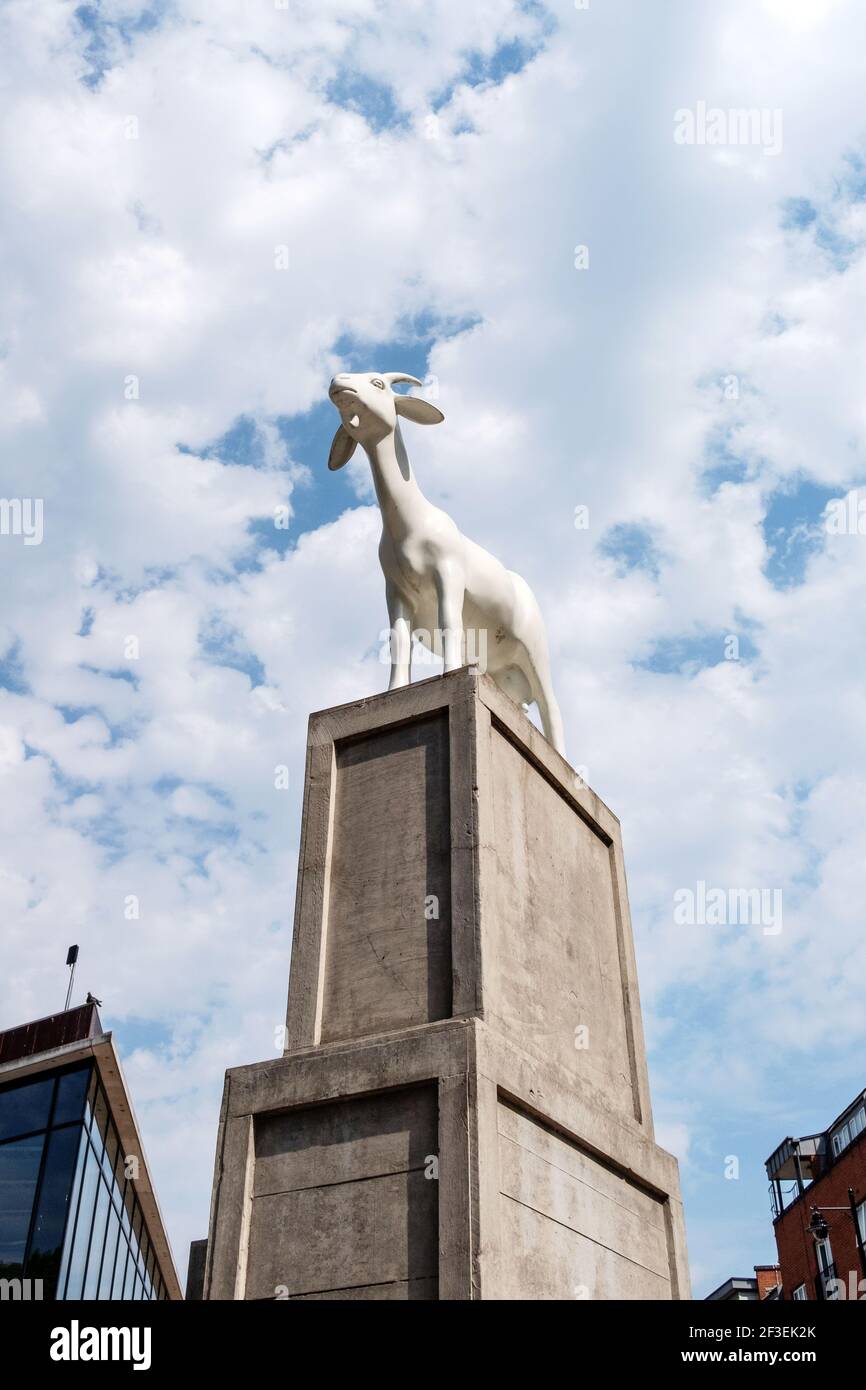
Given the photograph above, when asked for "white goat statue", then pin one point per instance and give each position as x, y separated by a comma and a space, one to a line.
438, 584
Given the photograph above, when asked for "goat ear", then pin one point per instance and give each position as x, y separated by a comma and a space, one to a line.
342, 449
422, 412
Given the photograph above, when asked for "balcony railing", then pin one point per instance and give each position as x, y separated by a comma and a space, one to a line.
827, 1278
782, 1194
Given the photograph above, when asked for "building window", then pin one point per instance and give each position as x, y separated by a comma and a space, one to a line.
49, 1226
39, 1129
800, 1294
848, 1132
24, 1109
826, 1270
108, 1244
861, 1220
19, 1175
69, 1215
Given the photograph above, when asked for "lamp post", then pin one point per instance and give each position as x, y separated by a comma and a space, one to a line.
861, 1248
71, 958
819, 1229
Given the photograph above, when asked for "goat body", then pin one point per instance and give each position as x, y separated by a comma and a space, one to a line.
440, 586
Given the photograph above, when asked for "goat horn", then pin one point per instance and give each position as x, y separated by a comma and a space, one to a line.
391, 377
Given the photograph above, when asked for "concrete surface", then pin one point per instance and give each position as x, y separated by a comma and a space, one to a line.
463, 1108
195, 1271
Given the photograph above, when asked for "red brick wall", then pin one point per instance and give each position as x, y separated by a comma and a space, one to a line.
794, 1242
768, 1277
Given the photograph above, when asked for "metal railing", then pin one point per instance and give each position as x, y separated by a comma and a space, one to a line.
826, 1276
782, 1194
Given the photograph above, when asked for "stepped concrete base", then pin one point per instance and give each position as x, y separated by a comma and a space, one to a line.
463, 1109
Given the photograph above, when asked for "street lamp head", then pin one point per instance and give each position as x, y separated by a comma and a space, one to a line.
818, 1226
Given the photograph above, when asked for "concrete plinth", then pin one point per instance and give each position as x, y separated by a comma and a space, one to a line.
463, 1109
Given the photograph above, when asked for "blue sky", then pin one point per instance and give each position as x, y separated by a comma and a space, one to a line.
210, 209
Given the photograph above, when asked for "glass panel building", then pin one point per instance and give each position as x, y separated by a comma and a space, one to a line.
77, 1211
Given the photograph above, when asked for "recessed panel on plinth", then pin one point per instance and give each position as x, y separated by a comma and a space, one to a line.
557, 970
387, 956
342, 1203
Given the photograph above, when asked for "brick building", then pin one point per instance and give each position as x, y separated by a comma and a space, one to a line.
820, 1232
765, 1283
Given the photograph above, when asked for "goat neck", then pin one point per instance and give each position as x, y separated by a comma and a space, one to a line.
401, 501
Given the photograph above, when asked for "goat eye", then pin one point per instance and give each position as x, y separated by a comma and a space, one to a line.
374, 381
